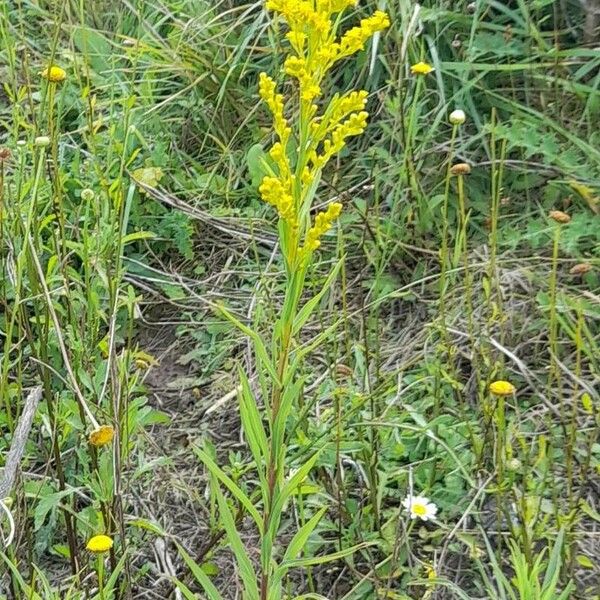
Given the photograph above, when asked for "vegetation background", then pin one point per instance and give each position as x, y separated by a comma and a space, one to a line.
123, 232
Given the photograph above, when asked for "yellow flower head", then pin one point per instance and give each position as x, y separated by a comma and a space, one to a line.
421, 68
502, 388
54, 74
99, 544
102, 436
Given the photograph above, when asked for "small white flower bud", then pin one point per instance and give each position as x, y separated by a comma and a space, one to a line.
514, 464
457, 117
87, 195
42, 141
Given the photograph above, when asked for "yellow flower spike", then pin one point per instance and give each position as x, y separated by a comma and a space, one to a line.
323, 223
502, 388
99, 544
421, 68
314, 49
54, 74
354, 39
101, 436
273, 192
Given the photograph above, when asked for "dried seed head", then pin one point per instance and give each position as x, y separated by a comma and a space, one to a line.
580, 269
559, 216
460, 169
4, 154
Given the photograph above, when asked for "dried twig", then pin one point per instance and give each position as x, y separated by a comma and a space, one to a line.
15, 454
19, 440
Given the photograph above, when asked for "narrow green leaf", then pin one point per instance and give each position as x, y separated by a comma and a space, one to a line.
553, 568
31, 595
259, 346
287, 490
241, 554
254, 430
321, 560
307, 310
230, 485
201, 577
300, 540
253, 426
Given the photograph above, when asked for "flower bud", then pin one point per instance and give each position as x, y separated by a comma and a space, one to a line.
514, 464
580, 269
457, 117
42, 141
87, 195
559, 216
460, 169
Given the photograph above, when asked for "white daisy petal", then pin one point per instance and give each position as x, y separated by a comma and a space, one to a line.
420, 507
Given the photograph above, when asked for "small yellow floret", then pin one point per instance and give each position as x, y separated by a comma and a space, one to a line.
502, 388
99, 544
421, 68
54, 74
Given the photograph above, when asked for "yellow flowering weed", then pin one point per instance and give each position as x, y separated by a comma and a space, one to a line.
54, 74
99, 544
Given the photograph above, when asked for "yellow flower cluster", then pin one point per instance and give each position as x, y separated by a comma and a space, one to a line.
354, 125
339, 108
313, 37
273, 191
101, 436
268, 92
323, 223
354, 39
298, 160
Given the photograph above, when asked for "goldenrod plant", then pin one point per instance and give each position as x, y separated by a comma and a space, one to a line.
309, 132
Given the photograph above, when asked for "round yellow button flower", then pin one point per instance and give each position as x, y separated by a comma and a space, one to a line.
99, 544
54, 74
421, 68
102, 436
502, 388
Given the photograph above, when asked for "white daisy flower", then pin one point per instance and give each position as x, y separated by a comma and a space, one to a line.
420, 506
